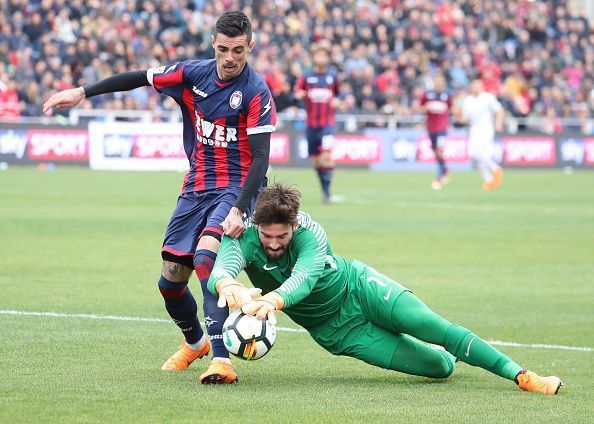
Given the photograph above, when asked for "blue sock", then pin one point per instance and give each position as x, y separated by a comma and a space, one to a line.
214, 317
325, 176
182, 308
442, 168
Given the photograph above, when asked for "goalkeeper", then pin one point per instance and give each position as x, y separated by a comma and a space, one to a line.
348, 307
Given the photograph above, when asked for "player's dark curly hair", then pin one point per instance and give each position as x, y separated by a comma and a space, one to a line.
277, 204
234, 24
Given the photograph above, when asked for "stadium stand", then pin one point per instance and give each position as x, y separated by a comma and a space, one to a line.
536, 56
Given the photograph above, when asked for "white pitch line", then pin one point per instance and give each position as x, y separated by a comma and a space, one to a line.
286, 329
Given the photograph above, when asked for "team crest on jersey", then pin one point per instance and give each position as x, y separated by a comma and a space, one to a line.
329, 80
235, 99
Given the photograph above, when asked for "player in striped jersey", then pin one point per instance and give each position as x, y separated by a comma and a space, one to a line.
228, 116
348, 307
319, 89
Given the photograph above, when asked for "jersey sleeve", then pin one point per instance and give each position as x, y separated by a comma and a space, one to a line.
168, 79
261, 115
423, 99
300, 84
312, 246
229, 263
336, 86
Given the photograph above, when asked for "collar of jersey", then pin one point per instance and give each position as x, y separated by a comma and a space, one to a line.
224, 83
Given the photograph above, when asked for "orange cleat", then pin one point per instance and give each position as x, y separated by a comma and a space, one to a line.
184, 356
532, 382
497, 177
219, 372
487, 186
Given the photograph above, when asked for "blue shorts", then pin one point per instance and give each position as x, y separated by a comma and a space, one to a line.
438, 139
319, 139
196, 214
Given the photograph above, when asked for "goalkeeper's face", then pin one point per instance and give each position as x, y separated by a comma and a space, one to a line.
275, 238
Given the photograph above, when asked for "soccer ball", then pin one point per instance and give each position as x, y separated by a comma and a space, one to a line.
248, 337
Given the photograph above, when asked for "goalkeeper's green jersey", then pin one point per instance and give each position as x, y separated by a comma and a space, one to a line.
309, 277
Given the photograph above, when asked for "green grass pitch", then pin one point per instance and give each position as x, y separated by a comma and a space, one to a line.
513, 265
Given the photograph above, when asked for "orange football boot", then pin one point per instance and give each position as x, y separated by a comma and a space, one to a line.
532, 382
497, 177
184, 356
219, 372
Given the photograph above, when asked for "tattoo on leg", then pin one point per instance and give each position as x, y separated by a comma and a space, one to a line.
173, 269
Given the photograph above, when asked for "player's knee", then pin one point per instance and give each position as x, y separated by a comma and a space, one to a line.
175, 272
171, 290
441, 366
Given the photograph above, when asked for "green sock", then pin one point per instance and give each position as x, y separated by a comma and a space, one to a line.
473, 350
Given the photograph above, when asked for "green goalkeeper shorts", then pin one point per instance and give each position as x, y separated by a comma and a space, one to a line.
356, 330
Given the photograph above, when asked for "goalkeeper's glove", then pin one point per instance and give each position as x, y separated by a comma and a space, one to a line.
265, 306
234, 294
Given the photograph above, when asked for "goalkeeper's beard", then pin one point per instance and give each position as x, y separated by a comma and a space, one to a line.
275, 253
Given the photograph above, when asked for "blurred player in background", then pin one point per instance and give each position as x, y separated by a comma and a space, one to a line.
228, 116
319, 88
348, 307
484, 115
436, 104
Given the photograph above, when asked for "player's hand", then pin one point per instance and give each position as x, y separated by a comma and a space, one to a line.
265, 306
233, 225
299, 94
234, 294
66, 98
499, 126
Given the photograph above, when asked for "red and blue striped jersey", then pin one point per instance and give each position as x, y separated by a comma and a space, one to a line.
320, 89
437, 107
218, 115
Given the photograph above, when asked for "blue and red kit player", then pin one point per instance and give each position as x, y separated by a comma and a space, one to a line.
437, 104
319, 90
228, 117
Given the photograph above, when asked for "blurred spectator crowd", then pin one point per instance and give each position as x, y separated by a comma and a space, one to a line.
536, 56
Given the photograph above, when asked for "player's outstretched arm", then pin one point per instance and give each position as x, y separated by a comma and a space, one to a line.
124, 81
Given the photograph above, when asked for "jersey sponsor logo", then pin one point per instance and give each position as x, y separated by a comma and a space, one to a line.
211, 134
235, 99
267, 108
198, 91
267, 268
320, 94
437, 106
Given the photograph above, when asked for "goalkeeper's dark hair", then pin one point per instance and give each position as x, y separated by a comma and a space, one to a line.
277, 204
234, 24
